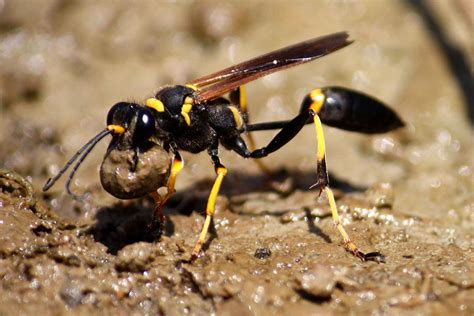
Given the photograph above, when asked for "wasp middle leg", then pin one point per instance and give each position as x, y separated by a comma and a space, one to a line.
221, 171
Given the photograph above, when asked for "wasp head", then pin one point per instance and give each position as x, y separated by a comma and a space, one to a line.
132, 126
136, 162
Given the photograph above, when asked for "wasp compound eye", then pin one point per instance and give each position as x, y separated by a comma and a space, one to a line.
145, 124
120, 113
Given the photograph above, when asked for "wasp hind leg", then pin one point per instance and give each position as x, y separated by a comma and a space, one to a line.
317, 102
342, 108
323, 184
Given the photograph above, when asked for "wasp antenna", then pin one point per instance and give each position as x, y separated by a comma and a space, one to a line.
86, 149
83, 156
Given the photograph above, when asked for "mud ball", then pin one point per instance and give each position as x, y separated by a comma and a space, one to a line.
126, 175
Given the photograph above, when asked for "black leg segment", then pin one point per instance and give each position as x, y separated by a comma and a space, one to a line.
287, 133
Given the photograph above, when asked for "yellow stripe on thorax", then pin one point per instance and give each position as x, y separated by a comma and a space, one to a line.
185, 109
237, 116
155, 104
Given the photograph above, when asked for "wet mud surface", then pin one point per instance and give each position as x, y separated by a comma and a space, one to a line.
273, 249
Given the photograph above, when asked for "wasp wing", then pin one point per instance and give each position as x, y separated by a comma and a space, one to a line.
218, 83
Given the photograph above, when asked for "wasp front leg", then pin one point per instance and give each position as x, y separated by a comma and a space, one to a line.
158, 220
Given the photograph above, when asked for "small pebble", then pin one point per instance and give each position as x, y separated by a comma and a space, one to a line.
318, 281
262, 253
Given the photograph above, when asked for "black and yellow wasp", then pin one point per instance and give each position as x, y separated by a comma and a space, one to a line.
196, 117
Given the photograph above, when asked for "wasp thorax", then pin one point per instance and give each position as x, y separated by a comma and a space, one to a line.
173, 98
128, 175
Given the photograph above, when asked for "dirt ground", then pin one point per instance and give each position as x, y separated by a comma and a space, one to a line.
274, 250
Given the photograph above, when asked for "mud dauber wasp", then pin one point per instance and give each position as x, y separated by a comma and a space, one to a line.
144, 153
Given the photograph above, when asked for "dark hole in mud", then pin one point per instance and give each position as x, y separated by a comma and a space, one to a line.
31, 94
41, 230
314, 299
66, 259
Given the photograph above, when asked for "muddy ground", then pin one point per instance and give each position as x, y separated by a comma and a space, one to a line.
274, 250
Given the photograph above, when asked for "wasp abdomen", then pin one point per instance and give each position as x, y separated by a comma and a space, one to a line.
358, 112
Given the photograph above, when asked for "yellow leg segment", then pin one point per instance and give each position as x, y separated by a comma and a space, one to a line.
243, 105
321, 161
211, 205
337, 223
178, 165
243, 99
321, 153
158, 217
